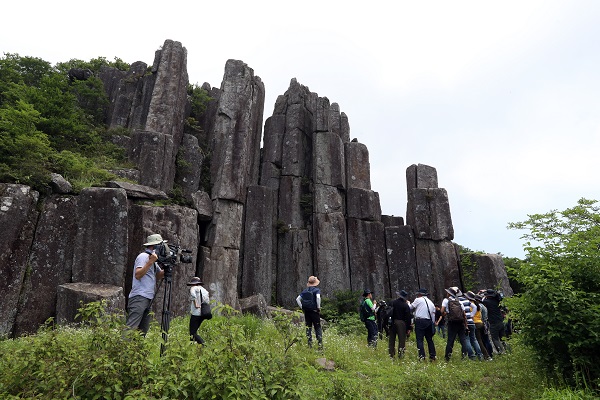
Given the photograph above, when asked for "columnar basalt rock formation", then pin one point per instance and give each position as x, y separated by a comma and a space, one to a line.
258, 221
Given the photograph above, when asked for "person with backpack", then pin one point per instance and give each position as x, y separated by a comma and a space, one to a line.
368, 308
457, 321
424, 323
401, 327
310, 302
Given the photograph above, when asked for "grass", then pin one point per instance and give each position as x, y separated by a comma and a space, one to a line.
249, 358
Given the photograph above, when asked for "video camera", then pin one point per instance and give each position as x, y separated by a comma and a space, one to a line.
171, 254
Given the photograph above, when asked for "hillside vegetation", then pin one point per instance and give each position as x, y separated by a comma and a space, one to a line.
249, 358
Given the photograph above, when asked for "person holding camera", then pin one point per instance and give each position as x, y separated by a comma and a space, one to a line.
198, 297
145, 274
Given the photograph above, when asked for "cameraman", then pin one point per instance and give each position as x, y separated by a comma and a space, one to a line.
145, 274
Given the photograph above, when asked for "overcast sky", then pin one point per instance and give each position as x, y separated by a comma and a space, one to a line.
502, 98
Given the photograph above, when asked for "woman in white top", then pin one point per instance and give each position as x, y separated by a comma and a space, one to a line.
198, 296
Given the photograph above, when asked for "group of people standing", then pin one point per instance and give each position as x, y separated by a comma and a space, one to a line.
472, 318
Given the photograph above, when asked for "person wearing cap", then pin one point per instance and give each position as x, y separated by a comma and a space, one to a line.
198, 296
401, 326
310, 302
478, 321
424, 310
492, 302
471, 306
455, 328
370, 305
145, 274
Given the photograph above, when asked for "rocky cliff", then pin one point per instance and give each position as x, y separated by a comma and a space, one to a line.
301, 205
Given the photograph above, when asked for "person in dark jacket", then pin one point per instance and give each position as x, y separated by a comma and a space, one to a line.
310, 302
401, 327
495, 318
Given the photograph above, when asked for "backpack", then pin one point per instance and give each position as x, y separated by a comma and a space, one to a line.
309, 298
455, 310
365, 311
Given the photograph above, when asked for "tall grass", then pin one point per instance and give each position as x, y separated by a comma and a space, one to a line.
249, 358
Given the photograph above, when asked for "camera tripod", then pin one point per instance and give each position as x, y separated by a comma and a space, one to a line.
166, 311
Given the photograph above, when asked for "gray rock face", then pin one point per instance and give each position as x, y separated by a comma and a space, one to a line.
391, 220
314, 212
237, 133
129, 93
367, 257
437, 267
71, 295
257, 274
421, 176
203, 205
331, 252
401, 259
428, 212
154, 154
294, 264
363, 204
99, 255
189, 165
358, 171
50, 262
18, 217
487, 271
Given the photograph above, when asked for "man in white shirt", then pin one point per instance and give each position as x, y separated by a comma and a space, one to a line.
145, 274
424, 310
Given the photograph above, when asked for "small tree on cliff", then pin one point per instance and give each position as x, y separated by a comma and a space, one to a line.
559, 309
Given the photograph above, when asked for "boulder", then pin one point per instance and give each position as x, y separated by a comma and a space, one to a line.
135, 191
72, 296
255, 305
202, 204
60, 185
485, 271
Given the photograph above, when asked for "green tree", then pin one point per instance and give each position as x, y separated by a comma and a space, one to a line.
558, 310
24, 150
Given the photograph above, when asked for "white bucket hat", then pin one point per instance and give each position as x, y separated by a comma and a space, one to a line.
154, 239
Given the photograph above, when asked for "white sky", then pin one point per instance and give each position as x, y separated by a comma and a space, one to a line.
502, 98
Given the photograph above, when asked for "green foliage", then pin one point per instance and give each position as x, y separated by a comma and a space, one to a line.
199, 99
247, 358
48, 124
342, 302
558, 311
